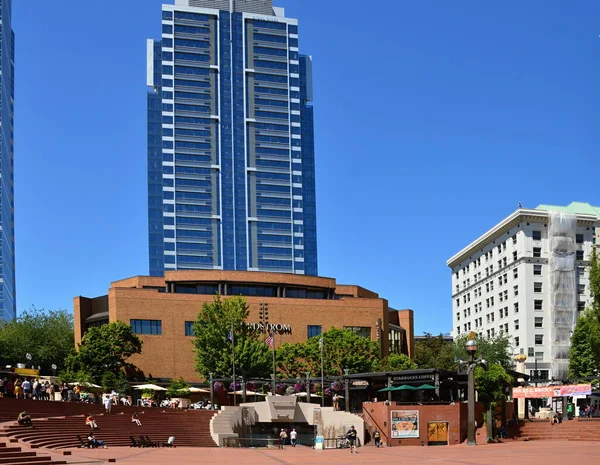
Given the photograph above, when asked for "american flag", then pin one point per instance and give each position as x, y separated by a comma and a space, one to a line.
269, 340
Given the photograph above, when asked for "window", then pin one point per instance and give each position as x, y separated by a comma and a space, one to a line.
580, 306
153, 327
579, 255
499, 280
539, 322
539, 339
458, 302
264, 291
538, 304
530, 352
580, 271
457, 316
458, 330
516, 307
516, 325
305, 294
515, 273
537, 270
491, 301
501, 311
514, 238
504, 261
506, 327
362, 331
515, 256
516, 290
581, 288
314, 330
537, 252
537, 235
189, 330
488, 318
537, 287
517, 341
579, 238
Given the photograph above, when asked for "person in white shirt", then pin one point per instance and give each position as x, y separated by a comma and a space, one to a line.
293, 437
26, 389
107, 404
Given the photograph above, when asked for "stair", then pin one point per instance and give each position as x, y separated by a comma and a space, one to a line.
585, 429
10, 455
57, 424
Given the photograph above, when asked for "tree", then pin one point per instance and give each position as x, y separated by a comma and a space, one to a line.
491, 384
494, 350
434, 352
105, 348
115, 381
46, 335
214, 348
178, 388
341, 349
584, 355
397, 362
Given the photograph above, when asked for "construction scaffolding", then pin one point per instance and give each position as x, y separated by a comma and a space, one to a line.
563, 289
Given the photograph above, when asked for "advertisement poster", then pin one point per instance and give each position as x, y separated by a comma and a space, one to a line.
552, 391
405, 424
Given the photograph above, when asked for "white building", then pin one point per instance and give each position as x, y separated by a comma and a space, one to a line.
527, 277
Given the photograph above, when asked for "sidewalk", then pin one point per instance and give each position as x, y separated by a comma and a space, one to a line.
532, 453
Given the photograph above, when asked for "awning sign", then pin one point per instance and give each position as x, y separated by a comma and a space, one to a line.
552, 391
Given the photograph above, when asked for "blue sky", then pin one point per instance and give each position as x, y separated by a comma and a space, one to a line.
433, 120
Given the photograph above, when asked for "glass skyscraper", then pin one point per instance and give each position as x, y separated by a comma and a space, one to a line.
231, 169
7, 216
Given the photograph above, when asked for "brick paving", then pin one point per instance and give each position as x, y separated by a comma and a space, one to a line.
531, 453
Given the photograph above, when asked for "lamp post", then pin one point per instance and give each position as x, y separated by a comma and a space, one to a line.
28, 357
212, 391
471, 347
307, 386
53, 366
347, 390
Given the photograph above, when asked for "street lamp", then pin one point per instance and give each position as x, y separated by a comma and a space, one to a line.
212, 391
28, 357
53, 366
307, 386
471, 346
347, 390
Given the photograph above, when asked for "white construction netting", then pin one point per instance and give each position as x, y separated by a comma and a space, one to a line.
563, 289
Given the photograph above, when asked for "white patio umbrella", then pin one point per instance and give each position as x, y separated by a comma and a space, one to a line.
248, 393
195, 389
153, 387
87, 385
303, 394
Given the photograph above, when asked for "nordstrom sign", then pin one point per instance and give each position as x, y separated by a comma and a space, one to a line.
281, 328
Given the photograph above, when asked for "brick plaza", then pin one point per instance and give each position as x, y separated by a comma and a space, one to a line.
532, 453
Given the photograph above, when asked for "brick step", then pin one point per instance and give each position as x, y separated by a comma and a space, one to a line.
8, 455
27, 459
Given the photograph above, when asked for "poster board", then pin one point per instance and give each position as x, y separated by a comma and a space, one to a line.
404, 424
552, 391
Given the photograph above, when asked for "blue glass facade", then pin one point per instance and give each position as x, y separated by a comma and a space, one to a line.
231, 182
7, 216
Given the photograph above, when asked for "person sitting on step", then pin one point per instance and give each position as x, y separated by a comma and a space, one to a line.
135, 419
95, 442
24, 419
89, 421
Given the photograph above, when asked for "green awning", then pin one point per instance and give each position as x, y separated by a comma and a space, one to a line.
404, 387
425, 386
388, 388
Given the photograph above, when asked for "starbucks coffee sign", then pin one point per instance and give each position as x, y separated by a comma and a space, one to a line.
280, 328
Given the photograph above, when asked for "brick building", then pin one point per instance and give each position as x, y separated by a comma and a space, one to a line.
162, 309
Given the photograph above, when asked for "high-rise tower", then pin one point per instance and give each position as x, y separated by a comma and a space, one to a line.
231, 170
7, 213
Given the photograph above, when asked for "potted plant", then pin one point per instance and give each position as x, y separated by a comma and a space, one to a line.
179, 392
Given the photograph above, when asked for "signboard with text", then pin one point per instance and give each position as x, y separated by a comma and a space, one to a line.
405, 424
552, 391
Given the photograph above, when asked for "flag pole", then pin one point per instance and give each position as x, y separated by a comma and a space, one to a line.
322, 343
233, 360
